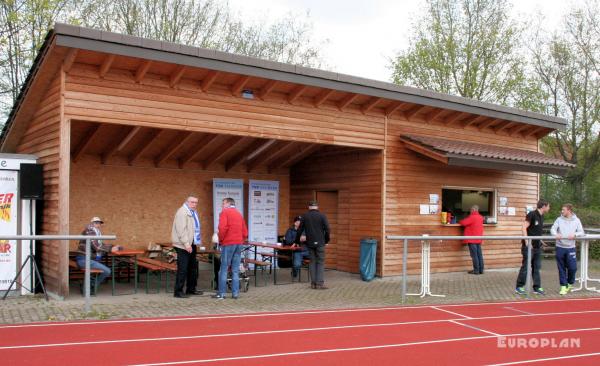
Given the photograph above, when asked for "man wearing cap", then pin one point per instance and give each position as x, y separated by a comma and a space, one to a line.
314, 233
290, 239
185, 235
98, 249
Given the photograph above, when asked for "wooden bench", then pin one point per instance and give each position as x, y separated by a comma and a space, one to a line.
76, 273
156, 267
258, 264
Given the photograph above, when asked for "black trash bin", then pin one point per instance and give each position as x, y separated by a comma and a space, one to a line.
368, 254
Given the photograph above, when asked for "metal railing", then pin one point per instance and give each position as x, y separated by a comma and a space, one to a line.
425, 252
88, 239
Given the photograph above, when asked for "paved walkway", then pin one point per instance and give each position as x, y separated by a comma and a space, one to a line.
346, 291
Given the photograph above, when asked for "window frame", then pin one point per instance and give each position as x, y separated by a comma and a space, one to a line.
492, 210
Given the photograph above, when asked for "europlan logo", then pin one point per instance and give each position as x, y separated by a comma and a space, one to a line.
538, 342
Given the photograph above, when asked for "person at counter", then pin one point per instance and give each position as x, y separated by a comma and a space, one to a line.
473, 225
98, 250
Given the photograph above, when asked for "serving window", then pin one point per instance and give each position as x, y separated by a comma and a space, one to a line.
458, 201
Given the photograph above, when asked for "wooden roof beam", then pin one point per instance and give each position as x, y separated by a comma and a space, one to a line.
70, 59
300, 155
473, 121
221, 150
144, 145
296, 93
176, 76
370, 105
203, 144
284, 154
323, 96
346, 101
242, 155
238, 86
106, 64
434, 114
85, 142
534, 131
267, 89
181, 139
266, 156
393, 108
413, 112
142, 70
457, 116
208, 80
264, 146
518, 129
488, 123
119, 145
503, 126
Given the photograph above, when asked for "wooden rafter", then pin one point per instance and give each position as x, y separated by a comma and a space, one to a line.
144, 145
393, 108
119, 145
266, 156
296, 93
454, 118
517, 129
208, 80
264, 146
239, 85
142, 70
488, 123
221, 150
69, 60
181, 139
202, 146
409, 114
534, 131
176, 76
434, 114
425, 151
370, 104
242, 155
542, 133
504, 126
267, 88
85, 142
283, 154
108, 61
323, 96
346, 101
472, 121
306, 151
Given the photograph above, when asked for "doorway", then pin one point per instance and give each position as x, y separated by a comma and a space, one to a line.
328, 204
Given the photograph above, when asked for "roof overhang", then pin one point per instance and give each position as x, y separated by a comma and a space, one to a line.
457, 153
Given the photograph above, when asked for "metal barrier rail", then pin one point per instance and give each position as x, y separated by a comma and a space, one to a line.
426, 251
20, 238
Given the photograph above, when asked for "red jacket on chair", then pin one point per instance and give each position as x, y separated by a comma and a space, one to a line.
473, 227
232, 227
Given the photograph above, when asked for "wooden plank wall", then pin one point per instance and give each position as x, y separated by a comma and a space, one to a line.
42, 139
410, 180
117, 98
138, 203
356, 176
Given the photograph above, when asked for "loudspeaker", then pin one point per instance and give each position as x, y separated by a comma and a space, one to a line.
31, 181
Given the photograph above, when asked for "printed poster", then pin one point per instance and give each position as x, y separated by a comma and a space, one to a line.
8, 226
263, 208
224, 188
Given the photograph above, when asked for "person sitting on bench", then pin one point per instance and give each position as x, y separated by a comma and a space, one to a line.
98, 249
290, 239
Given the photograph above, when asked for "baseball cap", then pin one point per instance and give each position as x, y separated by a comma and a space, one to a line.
97, 219
313, 203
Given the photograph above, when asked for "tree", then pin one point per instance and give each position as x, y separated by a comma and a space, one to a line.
467, 48
567, 65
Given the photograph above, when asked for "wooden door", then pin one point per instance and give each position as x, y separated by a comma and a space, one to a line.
328, 204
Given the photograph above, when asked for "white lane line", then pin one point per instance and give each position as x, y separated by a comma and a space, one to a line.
300, 312
288, 330
451, 312
475, 328
546, 359
518, 310
331, 350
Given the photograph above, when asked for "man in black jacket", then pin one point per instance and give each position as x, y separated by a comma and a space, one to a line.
314, 232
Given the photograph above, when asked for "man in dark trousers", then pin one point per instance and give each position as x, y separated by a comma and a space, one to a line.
533, 226
186, 235
474, 227
314, 232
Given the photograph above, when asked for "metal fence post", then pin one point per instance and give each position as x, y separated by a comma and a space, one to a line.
86, 282
404, 265
529, 259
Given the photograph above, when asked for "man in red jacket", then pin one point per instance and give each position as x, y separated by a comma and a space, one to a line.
232, 234
474, 227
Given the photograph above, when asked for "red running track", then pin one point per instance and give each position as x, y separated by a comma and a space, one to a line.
549, 332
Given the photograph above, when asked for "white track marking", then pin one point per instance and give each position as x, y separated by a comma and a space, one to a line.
451, 312
475, 328
518, 310
546, 359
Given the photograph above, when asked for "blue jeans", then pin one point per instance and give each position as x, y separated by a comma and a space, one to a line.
231, 255
94, 265
566, 260
299, 255
477, 257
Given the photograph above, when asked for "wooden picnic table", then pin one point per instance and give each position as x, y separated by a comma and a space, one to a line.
276, 247
124, 256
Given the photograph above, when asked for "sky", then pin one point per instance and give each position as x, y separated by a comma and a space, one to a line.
362, 35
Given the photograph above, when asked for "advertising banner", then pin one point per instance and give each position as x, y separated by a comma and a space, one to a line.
8, 226
263, 208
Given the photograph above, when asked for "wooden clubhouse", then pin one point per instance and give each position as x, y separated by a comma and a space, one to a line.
126, 128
